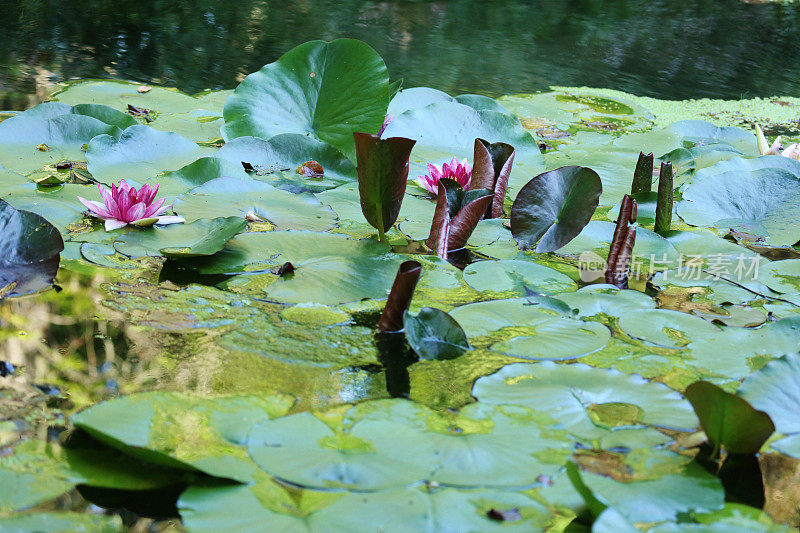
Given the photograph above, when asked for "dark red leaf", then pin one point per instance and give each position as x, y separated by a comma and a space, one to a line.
491, 169
400, 296
382, 166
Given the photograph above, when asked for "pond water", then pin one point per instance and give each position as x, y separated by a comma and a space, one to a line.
670, 49
166, 360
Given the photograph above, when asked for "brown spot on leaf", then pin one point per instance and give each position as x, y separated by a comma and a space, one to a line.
510, 515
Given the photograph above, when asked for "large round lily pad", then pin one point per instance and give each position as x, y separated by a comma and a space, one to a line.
663, 327
29, 142
760, 202
261, 250
481, 318
203, 237
393, 443
224, 197
277, 160
570, 392
557, 339
183, 431
448, 129
328, 90
138, 153
516, 278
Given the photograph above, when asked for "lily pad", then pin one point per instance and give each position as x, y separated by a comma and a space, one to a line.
138, 153
448, 129
332, 280
557, 339
394, 443
516, 278
28, 142
103, 113
203, 237
328, 90
781, 276
261, 250
405, 510
481, 318
29, 251
566, 392
224, 197
183, 431
663, 327
554, 207
759, 202
607, 300
276, 161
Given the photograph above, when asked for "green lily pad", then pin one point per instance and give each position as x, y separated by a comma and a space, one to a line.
775, 390
276, 161
203, 237
394, 443
183, 431
656, 500
406, 510
29, 142
103, 113
607, 300
138, 153
554, 207
29, 251
331, 280
759, 202
448, 129
224, 197
516, 278
416, 97
781, 276
566, 392
728, 420
433, 334
261, 250
196, 173
328, 90
481, 318
557, 339
651, 251
195, 117
728, 352
663, 327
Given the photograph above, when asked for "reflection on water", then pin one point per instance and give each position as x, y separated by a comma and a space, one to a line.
673, 49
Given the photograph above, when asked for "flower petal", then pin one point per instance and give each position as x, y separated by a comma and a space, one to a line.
96, 208
155, 209
136, 211
112, 224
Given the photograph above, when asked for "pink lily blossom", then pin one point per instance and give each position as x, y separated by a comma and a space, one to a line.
460, 171
123, 205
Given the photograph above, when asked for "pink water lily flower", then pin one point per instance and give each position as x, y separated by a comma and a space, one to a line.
460, 171
124, 205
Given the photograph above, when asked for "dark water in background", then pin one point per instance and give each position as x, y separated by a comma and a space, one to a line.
673, 49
